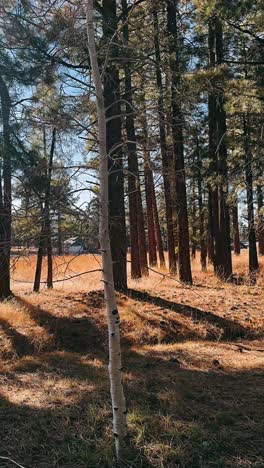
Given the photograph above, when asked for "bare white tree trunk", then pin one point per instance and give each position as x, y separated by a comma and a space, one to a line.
115, 365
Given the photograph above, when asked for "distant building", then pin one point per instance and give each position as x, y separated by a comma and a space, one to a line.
243, 245
73, 246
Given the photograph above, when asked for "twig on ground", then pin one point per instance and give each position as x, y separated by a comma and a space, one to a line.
12, 461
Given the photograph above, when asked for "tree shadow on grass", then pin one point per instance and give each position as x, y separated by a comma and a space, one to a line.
172, 328
179, 416
20, 343
231, 329
64, 425
65, 435
208, 417
78, 335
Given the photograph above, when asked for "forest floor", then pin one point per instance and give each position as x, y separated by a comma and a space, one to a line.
193, 370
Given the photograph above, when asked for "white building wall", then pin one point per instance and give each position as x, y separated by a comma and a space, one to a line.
75, 249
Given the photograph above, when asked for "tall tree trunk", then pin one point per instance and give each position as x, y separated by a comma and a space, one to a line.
260, 220
193, 221
47, 209
60, 247
210, 234
220, 222
143, 253
224, 217
114, 146
115, 363
253, 256
213, 169
41, 246
152, 246
164, 149
49, 259
203, 244
133, 223
133, 187
185, 274
135, 212
157, 223
174, 207
171, 168
6, 195
45, 234
236, 238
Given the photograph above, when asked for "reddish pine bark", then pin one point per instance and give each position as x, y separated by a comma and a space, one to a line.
157, 223
253, 256
210, 234
114, 148
260, 221
133, 175
236, 238
203, 243
143, 252
185, 274
164, 150
219, 216
152, 247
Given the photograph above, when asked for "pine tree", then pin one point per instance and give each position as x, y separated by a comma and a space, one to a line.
5, 192
114, 145
163, 146
185, 274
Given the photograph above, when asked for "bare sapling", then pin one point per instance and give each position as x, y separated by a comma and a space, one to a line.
115, 364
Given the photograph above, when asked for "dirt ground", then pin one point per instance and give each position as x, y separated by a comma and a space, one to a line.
193, 370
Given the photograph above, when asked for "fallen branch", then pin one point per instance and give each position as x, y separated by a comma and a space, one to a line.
12, 461
247, 349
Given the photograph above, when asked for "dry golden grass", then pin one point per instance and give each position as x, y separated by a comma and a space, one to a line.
193, 360
208, 293
23, 269
66, 266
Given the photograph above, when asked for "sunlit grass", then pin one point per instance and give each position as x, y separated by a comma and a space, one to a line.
194, 395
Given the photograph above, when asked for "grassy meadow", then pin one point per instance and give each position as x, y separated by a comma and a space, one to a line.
193, 370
